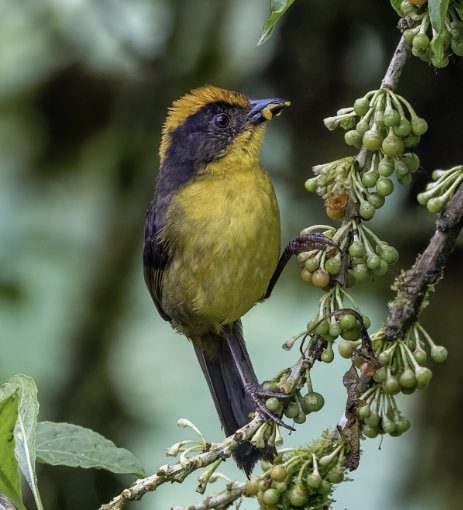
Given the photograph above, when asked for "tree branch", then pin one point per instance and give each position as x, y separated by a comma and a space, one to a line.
178, 472
414, 285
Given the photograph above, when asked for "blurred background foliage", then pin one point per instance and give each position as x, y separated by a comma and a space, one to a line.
84, 87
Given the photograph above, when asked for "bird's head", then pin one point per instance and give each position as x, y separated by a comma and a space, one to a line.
209, 123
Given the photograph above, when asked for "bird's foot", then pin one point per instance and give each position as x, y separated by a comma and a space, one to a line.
313, 241
257, 393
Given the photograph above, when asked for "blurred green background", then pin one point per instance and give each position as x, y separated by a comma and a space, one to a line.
84, 88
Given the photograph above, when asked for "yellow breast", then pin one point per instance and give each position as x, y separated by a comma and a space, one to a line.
223, 231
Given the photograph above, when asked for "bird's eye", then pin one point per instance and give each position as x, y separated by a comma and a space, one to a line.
222, 120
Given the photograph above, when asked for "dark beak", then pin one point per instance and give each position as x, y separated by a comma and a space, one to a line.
265, 109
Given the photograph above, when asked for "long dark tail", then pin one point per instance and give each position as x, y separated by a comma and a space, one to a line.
224, 375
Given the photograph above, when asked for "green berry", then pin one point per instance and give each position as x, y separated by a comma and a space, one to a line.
297, 495
404, 179
336, 475
440, 62
382, 269
292, 410
327, 356
272, 404
392, 145
361, 106
411, 140
370, 431
346, 348
367, 211
402, 425
373, 262
407, 379
333, 265
380, 375
369, 179
335, 329
389, 254
420, 357
325, 487
439, 353
252, 487
435, 205
300, 418
353, 138
314, 480
377, 201
314, 402
312, 264
419, 126
347, 321
322, 328
391, 118
407, 7
421, 42
372, 419
271, 497
409, 34
384, 357
388, 425
361, 272
311, 185
362, 127
372, 140
357, 249
403, 129
351, 334
385, 167
412, 161
363, 412
384, 186
280, 486
400, 168
278, 473
423, 376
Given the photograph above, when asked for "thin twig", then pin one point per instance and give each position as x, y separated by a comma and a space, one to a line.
221, 500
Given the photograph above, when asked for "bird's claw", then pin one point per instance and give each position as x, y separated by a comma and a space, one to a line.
314, 241
256, 392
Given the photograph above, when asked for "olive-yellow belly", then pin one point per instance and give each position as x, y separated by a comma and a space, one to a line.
224, 245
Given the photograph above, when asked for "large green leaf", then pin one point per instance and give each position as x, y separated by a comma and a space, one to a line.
25, 429
277, 9
9, 473
70, 445
396, 5
437, 13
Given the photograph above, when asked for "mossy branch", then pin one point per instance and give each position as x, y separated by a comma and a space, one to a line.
414, 286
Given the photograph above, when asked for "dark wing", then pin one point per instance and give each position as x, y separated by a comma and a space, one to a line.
155, 259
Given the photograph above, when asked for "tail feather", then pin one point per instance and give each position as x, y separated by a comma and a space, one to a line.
223, 374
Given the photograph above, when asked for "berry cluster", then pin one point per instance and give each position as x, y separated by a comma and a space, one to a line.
301, 477
300, 406
402, 371
386, 125
442, 189
434, 41
368, 256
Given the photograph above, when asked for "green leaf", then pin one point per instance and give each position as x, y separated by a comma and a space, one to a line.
70, 445
277, 9
396, 5
25, 429
437, 47
437, 13
9, 474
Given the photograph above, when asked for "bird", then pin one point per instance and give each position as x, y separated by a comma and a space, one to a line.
212, 243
